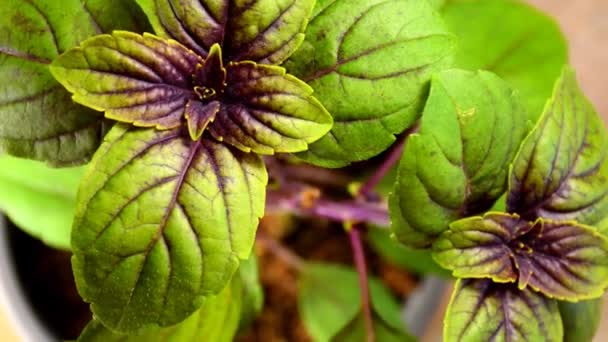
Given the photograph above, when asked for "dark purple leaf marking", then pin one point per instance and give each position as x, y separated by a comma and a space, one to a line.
561, 171
162, 223
563, 260
261, 31
481, 310
153, 82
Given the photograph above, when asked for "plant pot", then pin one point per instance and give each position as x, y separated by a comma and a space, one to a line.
21, 302
13, 298
37, 291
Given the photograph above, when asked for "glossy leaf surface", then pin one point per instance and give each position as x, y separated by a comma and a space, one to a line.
563, 260
369, 63
264, 31
561, 171
39, 120
457, 164
481, 310
162, 222
527, 49
216, 321
153, 82
330, 305
39, 199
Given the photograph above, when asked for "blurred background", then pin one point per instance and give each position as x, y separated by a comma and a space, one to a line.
585, 24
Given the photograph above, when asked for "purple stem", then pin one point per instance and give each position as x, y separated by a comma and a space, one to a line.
355, 237
359, 256
391, 160
293, 200
300, 199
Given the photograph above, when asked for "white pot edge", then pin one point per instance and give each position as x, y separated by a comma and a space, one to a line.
13, 300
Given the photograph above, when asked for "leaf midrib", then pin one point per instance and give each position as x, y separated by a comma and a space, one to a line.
163, 223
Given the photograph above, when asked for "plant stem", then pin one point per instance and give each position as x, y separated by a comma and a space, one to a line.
391, 160
307, 201
355, 237
359, 256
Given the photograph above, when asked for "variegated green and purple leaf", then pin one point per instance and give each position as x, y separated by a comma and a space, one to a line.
481, 310
263, 31
153, 82
217, 320
138, 79
561, 259
561, 171
162, 222
38, 118
369, 62
457, 164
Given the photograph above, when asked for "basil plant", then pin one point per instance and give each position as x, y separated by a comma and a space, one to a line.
149, 137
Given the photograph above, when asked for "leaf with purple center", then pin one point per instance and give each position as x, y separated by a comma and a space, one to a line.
481, 310
153, 82
561, 170
173, 196
561, 259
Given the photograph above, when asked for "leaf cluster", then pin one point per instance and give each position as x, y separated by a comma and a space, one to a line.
180, 108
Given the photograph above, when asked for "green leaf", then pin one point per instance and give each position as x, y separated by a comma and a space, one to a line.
581, 319
561, 259
438, 4
527, 49
330, 304
216, 321
253, 293
457, 165
418, 261
138, 79
369, 62
109, 15
480, 247
39, 199
153, 82
264, 31
271, 112
561, 171
356, 331
484, 311
162, 222
39, 120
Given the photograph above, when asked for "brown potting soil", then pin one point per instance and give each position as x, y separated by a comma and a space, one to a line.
311, 240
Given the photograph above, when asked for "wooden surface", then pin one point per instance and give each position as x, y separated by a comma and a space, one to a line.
585, 23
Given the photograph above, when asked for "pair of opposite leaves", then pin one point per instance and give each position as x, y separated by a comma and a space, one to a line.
167, 212
558, 175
